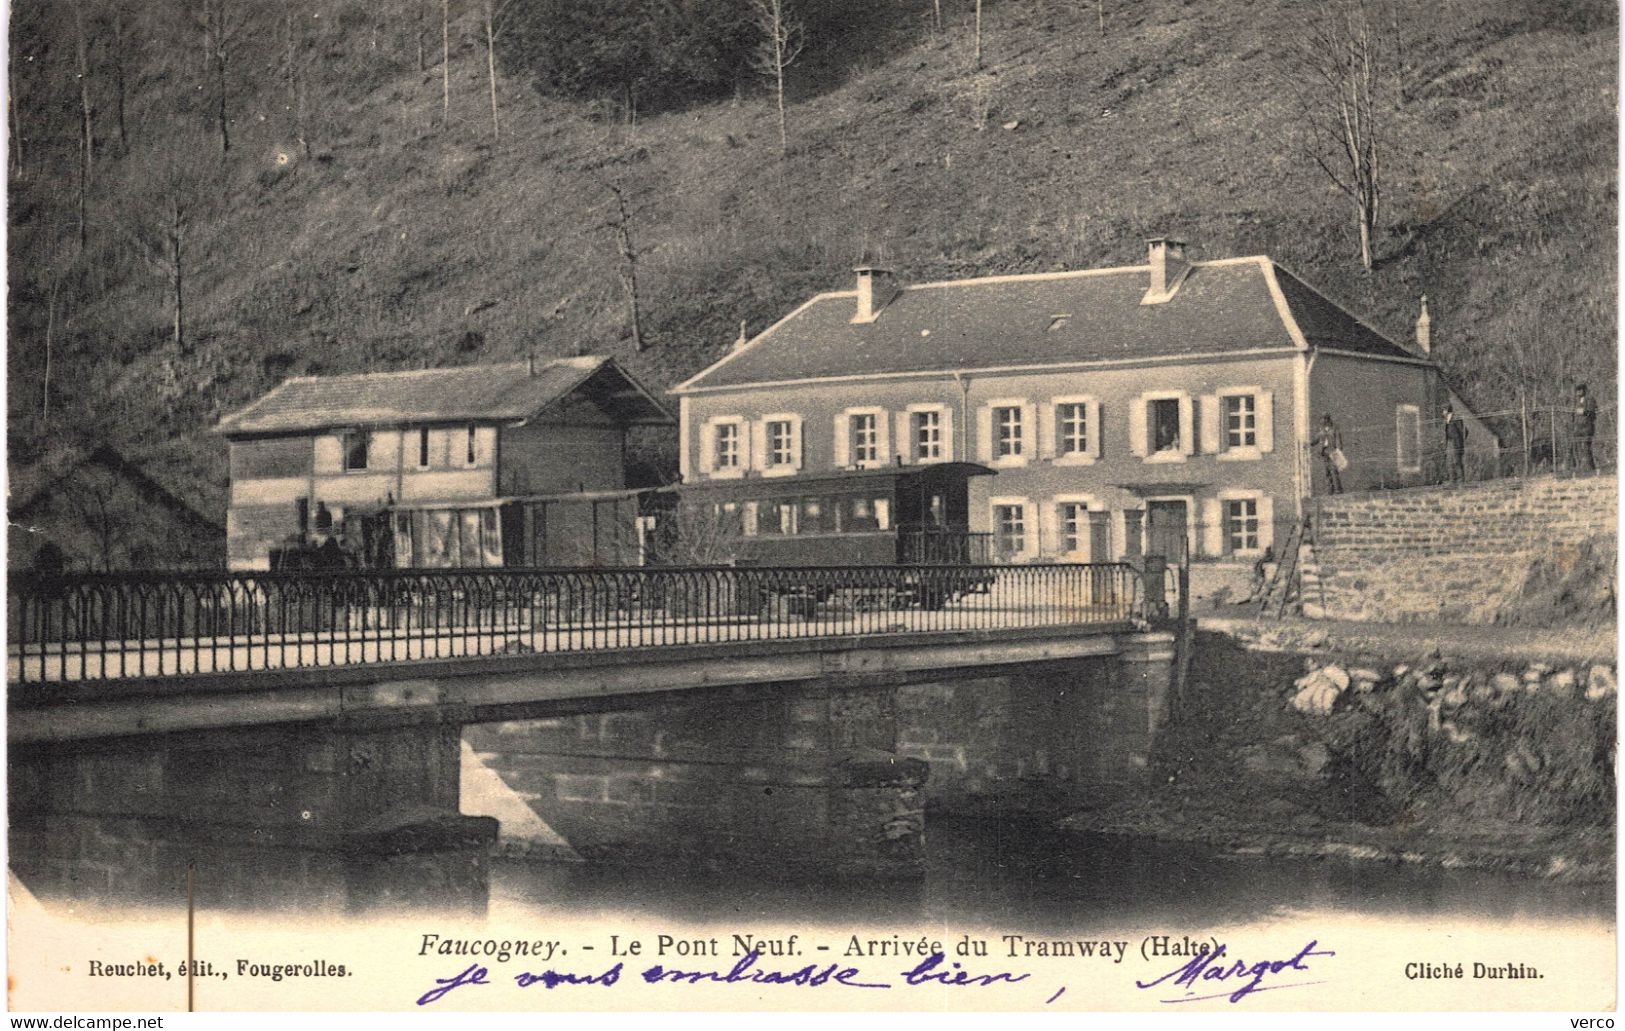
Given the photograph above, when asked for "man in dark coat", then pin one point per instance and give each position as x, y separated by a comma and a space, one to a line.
1455, 443
1330, 442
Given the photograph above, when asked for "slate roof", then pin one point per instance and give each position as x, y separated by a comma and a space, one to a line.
1004, 321
482, 393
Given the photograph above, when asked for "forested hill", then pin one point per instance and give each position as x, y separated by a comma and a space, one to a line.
361, 209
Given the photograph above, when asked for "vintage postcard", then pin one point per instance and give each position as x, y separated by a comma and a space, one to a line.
812, 505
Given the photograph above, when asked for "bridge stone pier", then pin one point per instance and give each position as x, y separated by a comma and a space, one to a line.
340, 786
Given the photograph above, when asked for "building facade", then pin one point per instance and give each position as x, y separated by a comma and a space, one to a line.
446, 443
1171, 407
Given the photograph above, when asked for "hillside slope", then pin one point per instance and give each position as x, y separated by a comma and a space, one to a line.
399, 242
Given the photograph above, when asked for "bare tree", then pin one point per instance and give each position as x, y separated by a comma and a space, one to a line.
1340, 72
492, 12
162, 225
87, 127
628, 266
123, 45
91, 493
781, 43
221, 23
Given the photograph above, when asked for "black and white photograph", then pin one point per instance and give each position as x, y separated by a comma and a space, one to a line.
805, 505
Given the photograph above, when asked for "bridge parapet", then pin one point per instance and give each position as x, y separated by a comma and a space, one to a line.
145, 625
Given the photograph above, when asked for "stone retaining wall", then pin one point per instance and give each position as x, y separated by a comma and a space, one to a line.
1452, 554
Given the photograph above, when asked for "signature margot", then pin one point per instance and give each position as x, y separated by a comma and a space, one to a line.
1239, 979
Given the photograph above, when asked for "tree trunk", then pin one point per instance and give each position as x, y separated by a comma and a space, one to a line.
784, 132
1100, 15
1365, 237
177, 235
445, 62
418, 33
491, 68
978, 58
220, 91
50, 329
936, 14
629, 268
87, 129
121, 37
84, 188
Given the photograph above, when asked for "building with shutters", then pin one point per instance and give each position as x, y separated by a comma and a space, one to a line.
1168, 407
439, 451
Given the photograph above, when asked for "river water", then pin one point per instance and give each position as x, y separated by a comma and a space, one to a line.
985, 874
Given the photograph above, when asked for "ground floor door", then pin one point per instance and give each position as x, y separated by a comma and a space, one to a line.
1165, 533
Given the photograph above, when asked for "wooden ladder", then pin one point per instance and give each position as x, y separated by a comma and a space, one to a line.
1285, 569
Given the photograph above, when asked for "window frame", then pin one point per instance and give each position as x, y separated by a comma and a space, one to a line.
944, 447
1263, 513
471, 446
1029, 526
1185, 407
1228, 452
765, 459
425, 448
346, 437
1092, 429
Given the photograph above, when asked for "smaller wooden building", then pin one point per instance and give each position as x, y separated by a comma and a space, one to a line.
522, 463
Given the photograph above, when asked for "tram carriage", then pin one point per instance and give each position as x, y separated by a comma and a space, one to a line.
910, 517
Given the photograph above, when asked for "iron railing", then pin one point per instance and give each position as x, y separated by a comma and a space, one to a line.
95, 626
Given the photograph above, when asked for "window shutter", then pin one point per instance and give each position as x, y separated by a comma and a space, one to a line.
1046, 430
1187, 427
745, 445
758, 450
795, 442
1093, 415
1029, 540
905, 440
948, 442
984, 435
843, 441
1211, 439
1265, 402
1266, 521
1213, 527
1136, 426
708, 447
882, 439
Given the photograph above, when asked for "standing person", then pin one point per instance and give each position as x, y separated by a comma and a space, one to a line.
1455, 442
1330, 442
1584, 427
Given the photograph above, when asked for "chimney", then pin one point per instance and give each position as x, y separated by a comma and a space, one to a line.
1424, 329
876, 288
1166, 256
743, 339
